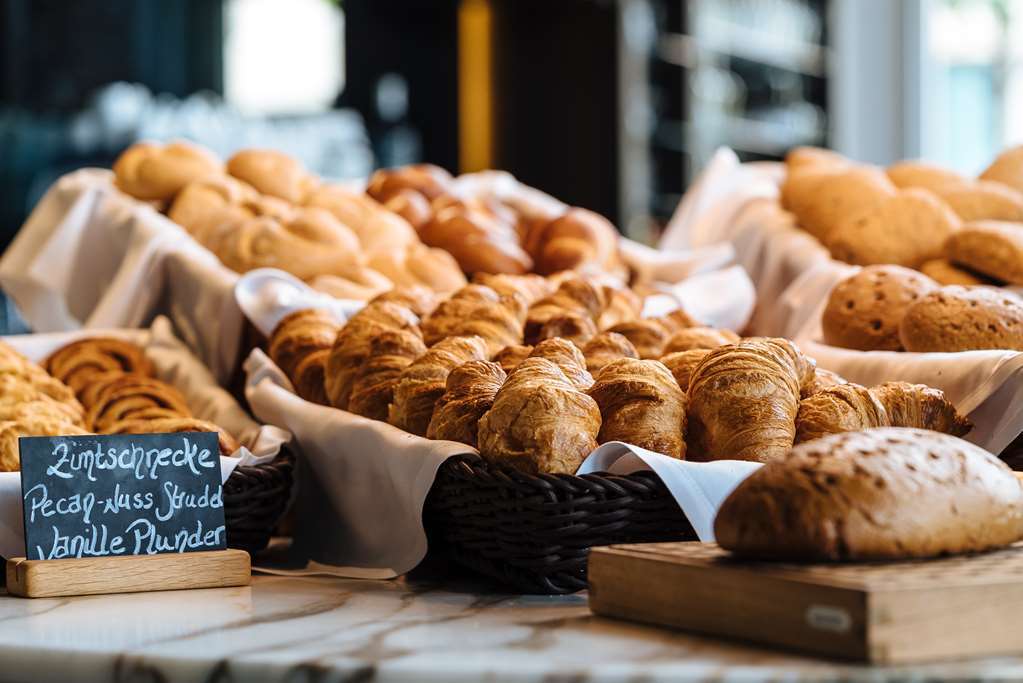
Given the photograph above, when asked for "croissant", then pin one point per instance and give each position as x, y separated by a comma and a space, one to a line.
699, 338
743, 400
478, 242
390, 353
568, 358
682, 363
423, 382
320, 226
607, 347
575, 296
309, 377
128, 395
539, 421
623, 305
921, 406
428, 180
298, 334
572, 326
648, 336
351, 346
822, 379
420, 300
228, 445
477, 310
641, 404
469, 393
77, 363
510, 356
576, 240
532, 287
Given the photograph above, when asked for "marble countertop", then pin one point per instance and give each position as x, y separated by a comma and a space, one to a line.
300, 629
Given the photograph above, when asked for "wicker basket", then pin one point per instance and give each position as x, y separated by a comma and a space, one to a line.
255, 499
534, 532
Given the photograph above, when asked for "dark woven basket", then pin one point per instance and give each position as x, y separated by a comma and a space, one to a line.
255, 499
534, 532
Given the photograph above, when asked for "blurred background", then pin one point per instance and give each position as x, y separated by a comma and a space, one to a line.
613, 105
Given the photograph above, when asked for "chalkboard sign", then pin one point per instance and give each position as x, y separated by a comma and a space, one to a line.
122, 494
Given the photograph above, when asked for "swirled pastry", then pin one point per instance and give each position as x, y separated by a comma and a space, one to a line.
170, 425
79, 362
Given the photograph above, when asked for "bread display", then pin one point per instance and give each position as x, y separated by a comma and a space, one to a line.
539, 421
468, 394
844, 497
743, 400
605, 348
390, 352
640, 403
864, 311
424, 381
957, 318
991, 248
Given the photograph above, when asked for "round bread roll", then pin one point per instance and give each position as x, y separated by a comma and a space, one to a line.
802, 157
273, 173
982, 200
921, 174
945, 272
989, 247
822, 196
963, 319
154, 172
864, 311
855, 496
1007, 168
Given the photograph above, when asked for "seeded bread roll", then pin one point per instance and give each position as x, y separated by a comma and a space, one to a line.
963, 319
851, 497
864, 311
945, 272
992, 248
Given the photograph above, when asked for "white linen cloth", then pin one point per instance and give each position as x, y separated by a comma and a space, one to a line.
174, 364
90, 256
360, 501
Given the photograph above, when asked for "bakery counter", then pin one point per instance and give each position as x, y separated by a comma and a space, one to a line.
316, 628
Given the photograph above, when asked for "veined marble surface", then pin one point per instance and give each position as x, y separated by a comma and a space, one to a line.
315, 629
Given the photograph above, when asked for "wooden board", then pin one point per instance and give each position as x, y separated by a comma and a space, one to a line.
884, 613
127, 573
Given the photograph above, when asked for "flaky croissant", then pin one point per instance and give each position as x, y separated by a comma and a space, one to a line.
641, 404
576, 298
477, 310
539, 422
419, 299
576, 240
300, 333
623, 305
353, 342
532, 287
390, 352
607, 347
682, 363
921, 406
510, 356
568, 358
572, 326
469, 393
423, 382
743, 400
699, 338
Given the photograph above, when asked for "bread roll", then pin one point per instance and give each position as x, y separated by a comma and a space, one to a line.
153, 172
428, 180
410, 205
273, 173
864, 311
905, 174
418, 265
423, 382
1007, 168
699, 338
77, 363
568, 358
539, 422
963, 319
850, 497
468, 395
821, 197
390, 352
576, 240
682, 364
477, 241
982, 200
607, 347
641, 404
743, 400
380, 232
989, 247
946, 273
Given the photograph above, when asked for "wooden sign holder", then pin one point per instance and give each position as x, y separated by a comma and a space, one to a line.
127, 573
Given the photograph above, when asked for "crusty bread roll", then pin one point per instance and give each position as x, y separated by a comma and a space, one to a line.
982, 200
850, 496
390, 352
682, 364
821, 197
864, 311
992, 248
1007, 168
576, 240
743, 400
468, 395
273, 173
641, 404
963, 319
154, 172
568, 358
607, 347
539, 422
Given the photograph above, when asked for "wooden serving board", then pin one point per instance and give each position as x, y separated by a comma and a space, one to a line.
884, 613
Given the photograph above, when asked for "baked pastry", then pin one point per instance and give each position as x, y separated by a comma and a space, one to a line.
982, 200
154, 172
478, 242
821, 197
390, 352
420, 300
682, 364
905, 174
576, 299
1007, 168
641, 404
410, 205
298, 334
418, 265
380, 232
623, 305
906, 229
309, 377
539, 422
576, 240
607, 347
16, 371
945, 272
227, 443
650, 335
864, 311
510, 356
468, 394
77, 363
576, 328
351, 347
699, 338
130, 395
743, 400
41, 425
273, 173
198, 206
568, 358
319, 226
530, 286
801, 157
963, 319
422, 383
920, 406
992, 248
844, 497
477, 310
822, 379
428, 180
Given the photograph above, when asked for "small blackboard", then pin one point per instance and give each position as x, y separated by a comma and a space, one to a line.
121, 494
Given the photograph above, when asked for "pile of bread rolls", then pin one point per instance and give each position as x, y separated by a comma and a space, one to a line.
414, 226
956, 230
536, 372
